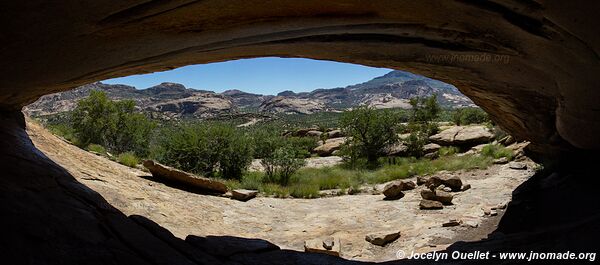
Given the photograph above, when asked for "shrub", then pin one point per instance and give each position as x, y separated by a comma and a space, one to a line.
497, 151
371, 131
466, 116
415, 142
266, 140
304, 191
280, 166
448, 150
275, 190
97, 149
206, 149
129, 159
302, 145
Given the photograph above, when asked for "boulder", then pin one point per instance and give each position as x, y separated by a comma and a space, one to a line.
243, 195
304, 131
428, 194
382, 238
190, 180
443, 197
430, 205
399, 149
437, 195
433, 182
421, 180
313, 133
502, 160
432, 155
322, 246
453, 182
335, 134
452, 222
463, 136
329, 146
393, 190
517, 165
431, 148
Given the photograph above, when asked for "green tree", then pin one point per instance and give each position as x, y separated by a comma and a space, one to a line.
422, 123
468, 116
370, 132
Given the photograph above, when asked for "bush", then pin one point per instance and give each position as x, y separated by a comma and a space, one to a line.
115, 125
266, 140
415, 142
371, 131
97, 149
129, 159
274, 190
280, 166
468, 116
448, 150
304, 191
208, 149
302, 145
497, 151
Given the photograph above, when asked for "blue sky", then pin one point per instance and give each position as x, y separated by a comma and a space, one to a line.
260, 75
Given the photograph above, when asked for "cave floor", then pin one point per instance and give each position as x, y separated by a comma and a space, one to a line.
288, 222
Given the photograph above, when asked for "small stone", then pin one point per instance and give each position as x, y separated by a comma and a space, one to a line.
502, 205
382, 238
393, 190
517, 165
422, 180
243, 195
317, 246
493, 213
443, 197
465, 187
433, 182
447, 189
454, 182
502, 160
452, 222
428, 194
471, 223
430, 205
328, 243
487, 211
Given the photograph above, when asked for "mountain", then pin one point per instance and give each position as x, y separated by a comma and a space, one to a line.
166, 100
172, 100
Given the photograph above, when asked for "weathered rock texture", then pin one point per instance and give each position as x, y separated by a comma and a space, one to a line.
531, 64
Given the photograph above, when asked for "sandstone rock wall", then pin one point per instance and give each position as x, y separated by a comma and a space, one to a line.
531, 64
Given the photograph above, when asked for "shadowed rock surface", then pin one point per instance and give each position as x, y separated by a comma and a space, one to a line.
532, 65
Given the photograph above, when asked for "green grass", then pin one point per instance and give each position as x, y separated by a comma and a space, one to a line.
97, 148
448, 150
307, 182
497, 151
128, 159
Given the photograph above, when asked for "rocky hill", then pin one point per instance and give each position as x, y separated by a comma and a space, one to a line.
171, 100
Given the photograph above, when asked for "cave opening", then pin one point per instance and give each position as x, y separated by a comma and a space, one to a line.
446, 176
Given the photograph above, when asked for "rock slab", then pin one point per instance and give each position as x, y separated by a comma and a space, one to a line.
382, 238
181, 177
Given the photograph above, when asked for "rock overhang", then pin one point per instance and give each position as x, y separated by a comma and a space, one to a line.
531, 65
